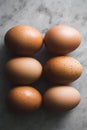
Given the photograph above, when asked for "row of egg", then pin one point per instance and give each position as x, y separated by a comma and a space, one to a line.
28, 99
25, 41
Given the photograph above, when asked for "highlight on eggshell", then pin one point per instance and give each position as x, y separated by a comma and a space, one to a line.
24, 99
23, 70
61, 98
62, 39
23, 40
62, 69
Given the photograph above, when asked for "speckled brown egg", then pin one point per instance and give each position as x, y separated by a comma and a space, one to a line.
23, 40
62, 39
23, 70
24, 98
62, 69
61, 98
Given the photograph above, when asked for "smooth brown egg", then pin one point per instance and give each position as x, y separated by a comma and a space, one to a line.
62, 39
62, 69
24, 98
23, 40
23, 70
61, 98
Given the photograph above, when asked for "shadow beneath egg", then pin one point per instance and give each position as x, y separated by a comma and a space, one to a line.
43, 55
38, 120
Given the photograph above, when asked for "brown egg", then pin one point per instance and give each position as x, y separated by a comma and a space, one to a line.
62, 39
25, 98
23, 70
23, 40
62, 69
61, 98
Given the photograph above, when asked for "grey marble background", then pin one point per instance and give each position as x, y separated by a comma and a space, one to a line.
43, 14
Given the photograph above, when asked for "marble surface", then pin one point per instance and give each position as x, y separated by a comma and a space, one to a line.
43, 14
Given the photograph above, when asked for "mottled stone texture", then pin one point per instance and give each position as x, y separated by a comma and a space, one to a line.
43, 14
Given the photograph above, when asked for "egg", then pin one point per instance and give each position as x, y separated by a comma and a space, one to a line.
23, 40
61, 98
62, 39
62, 69
23, 70
24, 98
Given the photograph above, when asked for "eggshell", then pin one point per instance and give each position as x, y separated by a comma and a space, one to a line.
62, 69
23, 40
62, 39
23, 70
24, 98
61, 98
